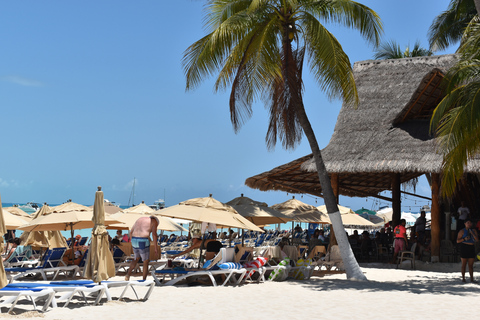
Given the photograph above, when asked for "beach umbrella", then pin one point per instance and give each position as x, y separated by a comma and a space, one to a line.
3, 230
301, 212
349, 217
12, 221
139, 208
373, 218
257, 212
129, 216
110, 208
386, 214
43, 239
210, 210
100, 265
67, 216
19, 212
363, 210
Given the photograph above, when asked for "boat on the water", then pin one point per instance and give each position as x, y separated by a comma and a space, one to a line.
30, 207
158, 204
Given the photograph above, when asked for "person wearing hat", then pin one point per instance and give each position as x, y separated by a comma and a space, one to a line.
140, 238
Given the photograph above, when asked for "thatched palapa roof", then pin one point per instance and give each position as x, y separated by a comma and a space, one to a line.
387, 133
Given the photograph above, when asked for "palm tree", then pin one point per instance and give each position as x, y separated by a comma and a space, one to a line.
448, 27
259, 47
456, 119
391, 50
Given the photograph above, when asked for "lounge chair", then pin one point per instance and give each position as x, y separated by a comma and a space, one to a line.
11, 296
52, 263
67, 292
150, 284
21, 255
83, 241
332, 262
224, 261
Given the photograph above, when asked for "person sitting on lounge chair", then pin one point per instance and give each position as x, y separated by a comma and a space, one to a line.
14, 243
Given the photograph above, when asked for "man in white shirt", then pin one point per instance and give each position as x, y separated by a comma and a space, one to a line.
463, 214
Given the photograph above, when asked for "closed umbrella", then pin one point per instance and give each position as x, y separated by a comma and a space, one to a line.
3, 230
257, 212
100, 265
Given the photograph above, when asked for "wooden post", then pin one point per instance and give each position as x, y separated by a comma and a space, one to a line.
435, 225
396, 201
335, 185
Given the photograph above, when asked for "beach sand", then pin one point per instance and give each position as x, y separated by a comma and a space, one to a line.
433, 291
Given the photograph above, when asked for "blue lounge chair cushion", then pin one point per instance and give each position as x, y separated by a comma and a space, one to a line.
207, 263
173, 252
171, 271
230, 265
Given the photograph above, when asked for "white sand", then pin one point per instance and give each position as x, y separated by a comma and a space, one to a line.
388, 294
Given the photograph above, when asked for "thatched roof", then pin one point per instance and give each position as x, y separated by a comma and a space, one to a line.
387, 133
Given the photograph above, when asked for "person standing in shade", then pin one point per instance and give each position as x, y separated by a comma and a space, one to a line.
140, 238
400, 241
463, 215
420, 225
467, 238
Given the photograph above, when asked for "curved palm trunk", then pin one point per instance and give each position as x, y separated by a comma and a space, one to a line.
292, 80
477, 5
351, 266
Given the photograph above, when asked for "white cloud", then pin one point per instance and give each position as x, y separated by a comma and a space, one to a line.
22, 81
4, 183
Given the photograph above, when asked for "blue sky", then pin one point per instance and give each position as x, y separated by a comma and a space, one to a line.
93, 93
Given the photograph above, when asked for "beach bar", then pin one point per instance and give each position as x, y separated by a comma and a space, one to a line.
385, 142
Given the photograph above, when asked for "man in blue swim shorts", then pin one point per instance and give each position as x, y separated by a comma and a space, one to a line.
140, 235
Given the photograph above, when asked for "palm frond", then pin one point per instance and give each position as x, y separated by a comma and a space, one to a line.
328, 62
447, 28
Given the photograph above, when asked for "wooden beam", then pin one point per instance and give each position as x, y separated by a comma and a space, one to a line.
435, 211
335, 185
396, 200
416, 195
421, 93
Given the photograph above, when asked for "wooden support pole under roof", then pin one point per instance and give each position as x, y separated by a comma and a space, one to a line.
435, 224
335, 185
396, 200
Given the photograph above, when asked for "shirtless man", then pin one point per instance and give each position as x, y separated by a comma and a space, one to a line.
140, 235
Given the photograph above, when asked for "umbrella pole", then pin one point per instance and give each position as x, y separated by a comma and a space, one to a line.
72, 243
201, 248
